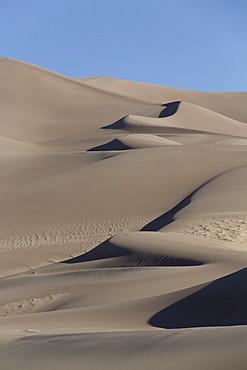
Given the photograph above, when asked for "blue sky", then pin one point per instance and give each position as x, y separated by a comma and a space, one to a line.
192, 44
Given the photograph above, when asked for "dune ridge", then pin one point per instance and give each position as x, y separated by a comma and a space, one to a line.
123, 232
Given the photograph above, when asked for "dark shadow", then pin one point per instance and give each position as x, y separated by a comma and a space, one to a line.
103, 251
170, 109
167, 217
221, 303
112, 145
118, 125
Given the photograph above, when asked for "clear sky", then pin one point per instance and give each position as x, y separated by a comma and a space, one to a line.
192, 44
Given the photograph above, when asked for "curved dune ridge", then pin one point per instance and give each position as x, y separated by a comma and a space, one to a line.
137, 141
123, 234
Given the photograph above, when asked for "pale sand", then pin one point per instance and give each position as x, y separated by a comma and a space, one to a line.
123, 233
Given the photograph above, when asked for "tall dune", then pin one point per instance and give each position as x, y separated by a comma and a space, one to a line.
123, 233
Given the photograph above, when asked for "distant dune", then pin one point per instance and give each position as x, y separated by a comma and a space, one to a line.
123, 233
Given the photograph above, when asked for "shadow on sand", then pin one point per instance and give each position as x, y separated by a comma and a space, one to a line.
169, 109
112, 145
167, 217
221, 303
102, 251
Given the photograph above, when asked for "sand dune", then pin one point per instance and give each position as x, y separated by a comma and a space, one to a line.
123, 224
188, 118
135, 142
230, 104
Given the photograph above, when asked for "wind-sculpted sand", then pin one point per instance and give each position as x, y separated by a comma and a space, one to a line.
123, 233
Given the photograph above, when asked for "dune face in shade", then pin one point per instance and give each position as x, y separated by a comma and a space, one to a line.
123, 233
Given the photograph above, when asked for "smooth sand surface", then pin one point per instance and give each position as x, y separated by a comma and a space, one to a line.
123, 233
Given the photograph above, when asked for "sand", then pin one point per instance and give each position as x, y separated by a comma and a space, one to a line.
123, 233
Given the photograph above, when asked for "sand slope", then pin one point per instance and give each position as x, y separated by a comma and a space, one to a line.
123, 233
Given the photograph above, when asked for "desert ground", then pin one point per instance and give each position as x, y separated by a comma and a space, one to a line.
123, 224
